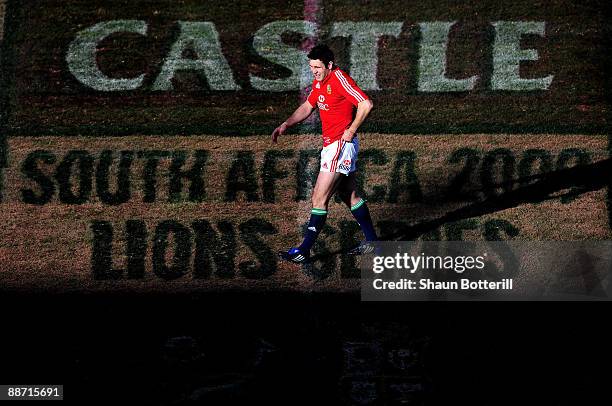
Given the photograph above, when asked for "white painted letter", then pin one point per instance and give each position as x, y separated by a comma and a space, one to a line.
269, 44
204, 38
507, 56
364, 47
432, 60
81, 57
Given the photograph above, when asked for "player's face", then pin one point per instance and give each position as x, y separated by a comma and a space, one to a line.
318, 69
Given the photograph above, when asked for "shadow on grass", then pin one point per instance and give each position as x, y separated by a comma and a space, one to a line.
580, 180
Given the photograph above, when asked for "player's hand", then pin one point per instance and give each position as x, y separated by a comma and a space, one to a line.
348, 135
280, 130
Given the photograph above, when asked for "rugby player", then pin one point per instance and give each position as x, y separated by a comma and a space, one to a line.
343, 107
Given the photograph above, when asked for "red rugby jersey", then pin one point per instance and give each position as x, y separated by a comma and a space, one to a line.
335, 96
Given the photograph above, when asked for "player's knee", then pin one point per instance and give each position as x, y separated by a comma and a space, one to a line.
319, 202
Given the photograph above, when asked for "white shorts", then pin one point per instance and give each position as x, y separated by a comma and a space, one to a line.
340, 156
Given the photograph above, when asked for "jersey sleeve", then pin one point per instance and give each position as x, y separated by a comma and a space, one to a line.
349, 88
312, 99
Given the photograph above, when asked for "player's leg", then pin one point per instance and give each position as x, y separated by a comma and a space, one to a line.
326, 185
347, 191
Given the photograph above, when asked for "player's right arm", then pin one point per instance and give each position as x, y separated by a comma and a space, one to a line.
299, 115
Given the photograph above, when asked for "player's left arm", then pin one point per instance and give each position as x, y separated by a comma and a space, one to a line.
363, 109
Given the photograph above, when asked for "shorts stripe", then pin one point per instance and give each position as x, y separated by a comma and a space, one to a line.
335, 160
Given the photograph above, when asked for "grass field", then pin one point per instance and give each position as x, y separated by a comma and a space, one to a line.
254, 201
157, 183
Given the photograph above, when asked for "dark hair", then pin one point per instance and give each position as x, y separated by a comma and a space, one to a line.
323, 53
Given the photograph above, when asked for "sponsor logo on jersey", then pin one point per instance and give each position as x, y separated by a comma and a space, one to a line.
318, 86
312, 229
323, 106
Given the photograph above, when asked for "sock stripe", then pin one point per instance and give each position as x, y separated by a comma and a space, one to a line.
362, 215
357, 205
315, 224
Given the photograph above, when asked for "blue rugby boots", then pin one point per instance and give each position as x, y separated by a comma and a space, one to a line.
365, 248
295, 255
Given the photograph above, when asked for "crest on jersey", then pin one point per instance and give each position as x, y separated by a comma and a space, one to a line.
325, 165
328, 89
345, 165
